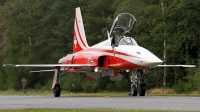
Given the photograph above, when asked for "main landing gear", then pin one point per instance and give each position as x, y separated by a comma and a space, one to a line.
57, 90
138, 83
56, 82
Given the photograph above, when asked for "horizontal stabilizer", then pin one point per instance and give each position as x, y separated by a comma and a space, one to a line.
176, 66
52, 70
92, 76
117, 78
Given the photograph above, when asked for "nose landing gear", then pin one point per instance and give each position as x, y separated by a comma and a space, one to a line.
138, 83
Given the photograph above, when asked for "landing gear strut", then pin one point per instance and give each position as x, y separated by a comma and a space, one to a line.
138, 83
56, 83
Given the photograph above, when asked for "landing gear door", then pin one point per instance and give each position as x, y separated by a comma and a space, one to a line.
123, 24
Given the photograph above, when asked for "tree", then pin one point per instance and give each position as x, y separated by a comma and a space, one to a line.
42, 32
97, 20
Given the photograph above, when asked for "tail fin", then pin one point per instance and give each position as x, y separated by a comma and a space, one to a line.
80, 42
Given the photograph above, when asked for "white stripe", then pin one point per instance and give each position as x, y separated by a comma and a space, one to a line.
78, 38
127, 58
81, 27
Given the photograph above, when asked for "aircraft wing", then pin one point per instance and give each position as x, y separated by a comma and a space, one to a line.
176, 66
50, 65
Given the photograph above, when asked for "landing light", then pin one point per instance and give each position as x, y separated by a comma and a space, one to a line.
127, 70
96, 69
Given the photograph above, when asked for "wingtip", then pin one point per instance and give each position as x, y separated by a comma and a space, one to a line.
189, 66
192, 66
9, 65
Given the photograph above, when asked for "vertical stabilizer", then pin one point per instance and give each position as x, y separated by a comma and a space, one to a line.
80, 42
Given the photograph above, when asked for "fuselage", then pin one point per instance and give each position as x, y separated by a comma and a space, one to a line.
121, 57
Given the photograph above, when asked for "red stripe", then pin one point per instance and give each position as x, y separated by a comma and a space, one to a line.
79, 31
109, 51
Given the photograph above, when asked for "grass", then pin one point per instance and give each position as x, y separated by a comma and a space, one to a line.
169, 92
152, 92
63, 93
81, 110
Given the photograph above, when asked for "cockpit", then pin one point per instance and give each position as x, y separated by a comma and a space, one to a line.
121, 30
128, 41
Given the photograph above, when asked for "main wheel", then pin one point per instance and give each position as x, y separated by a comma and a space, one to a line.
57, 90
142, 89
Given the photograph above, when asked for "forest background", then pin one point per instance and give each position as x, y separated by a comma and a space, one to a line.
41, 31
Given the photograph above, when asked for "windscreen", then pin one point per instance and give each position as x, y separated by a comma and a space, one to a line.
128, 41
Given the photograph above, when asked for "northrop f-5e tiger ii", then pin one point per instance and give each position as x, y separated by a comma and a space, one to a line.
111, 58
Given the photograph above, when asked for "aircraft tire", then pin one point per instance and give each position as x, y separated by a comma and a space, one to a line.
142, 90
57, 90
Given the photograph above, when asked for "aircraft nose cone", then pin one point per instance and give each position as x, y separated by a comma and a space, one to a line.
147, 58
154, 62
151, 61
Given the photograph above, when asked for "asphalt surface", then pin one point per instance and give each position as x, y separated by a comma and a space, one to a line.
147, 102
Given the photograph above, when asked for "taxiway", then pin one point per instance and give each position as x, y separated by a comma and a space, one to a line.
147, 102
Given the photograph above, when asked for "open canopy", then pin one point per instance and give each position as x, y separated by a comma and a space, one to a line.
123, 24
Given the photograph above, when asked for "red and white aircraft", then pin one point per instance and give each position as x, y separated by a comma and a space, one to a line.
112, 57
